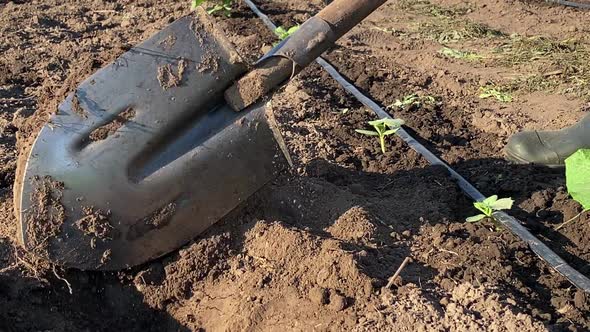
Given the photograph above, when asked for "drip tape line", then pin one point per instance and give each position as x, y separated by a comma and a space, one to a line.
511, 223
570, 4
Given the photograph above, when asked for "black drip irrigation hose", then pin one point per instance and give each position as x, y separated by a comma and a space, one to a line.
511, 223
570, 4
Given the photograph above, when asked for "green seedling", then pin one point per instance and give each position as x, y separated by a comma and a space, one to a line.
414, 99
222, 6
457, 54
283, 33
494, 92
488, 206
383, 127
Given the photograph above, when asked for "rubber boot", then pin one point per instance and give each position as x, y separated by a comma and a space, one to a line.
549, 148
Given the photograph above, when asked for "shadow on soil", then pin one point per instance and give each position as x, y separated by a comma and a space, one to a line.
98, 302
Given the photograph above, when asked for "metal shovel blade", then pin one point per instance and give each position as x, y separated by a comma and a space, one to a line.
144, 155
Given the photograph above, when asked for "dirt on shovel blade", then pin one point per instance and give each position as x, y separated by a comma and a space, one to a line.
314, 249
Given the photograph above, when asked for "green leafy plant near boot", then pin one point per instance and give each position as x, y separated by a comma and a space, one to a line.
488, 206
383, 127
577, 176
221, 6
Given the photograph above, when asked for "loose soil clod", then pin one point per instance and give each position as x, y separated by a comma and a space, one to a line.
46, 216
166, 76
161, 217
106, 130
95, 224
209, 63
168, 42
77, 108
355, 225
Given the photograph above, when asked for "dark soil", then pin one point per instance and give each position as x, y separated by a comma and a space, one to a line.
314, 249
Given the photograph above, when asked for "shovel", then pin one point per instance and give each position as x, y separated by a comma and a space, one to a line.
153, 149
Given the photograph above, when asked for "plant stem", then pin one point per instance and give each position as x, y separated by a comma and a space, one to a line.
397, 273
571, 220
382, 140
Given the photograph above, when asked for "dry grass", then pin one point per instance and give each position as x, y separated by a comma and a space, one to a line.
555, 66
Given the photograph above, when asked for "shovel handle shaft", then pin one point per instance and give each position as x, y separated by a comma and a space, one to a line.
343, 15
313, 38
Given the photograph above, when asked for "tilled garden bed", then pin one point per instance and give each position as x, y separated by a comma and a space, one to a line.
314, 249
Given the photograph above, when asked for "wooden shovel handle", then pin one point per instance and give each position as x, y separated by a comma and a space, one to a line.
343, 15
340, 16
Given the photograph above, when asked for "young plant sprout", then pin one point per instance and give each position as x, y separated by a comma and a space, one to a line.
414, 99
489, 205
495, 92
458, 54
223, 6
283, 33
383, 127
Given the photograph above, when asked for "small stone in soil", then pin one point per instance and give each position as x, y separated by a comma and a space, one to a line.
319, 295
395, 236
106, 256
580, 300
337, 302
154, 275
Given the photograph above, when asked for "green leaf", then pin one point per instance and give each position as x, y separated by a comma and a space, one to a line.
398, 103
376, 122
490, 91
430, 99
477, 218
393, 123
502, 204
490, 200
280, 31
224, 7
367, 132
381, 130
390, 132
196, 3
283, 33
481, 206
577, 175
458, 54
293, 29
407, 100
